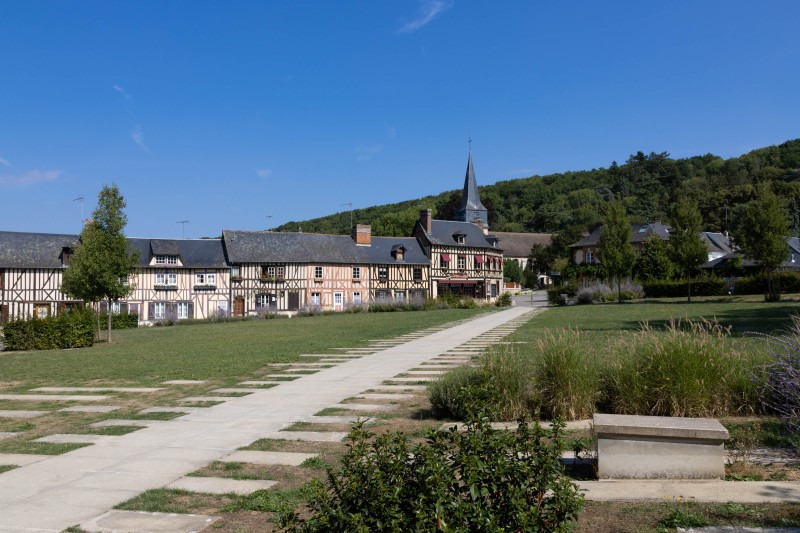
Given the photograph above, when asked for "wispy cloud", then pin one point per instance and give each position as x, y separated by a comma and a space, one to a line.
32, 177
263, 172
122, 91
428, 10
5, 162
138, 138
365, 153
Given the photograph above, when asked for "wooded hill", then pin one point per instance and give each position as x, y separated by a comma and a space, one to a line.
650, 184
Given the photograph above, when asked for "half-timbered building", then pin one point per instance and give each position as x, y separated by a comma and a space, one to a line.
286, 271
31, 269
178, 279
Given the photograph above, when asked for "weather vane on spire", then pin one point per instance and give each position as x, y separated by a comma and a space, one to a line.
469, 140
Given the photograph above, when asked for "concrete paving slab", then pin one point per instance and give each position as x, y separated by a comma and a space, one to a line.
282, 377
198, 399
233, 390
60, 438
512, 426
383, 396
412, 379
330, 355
98, 389
308, 436
400, 388
268, 458
219, 485
432, 372
22, 414
21, 459
6, 434
184, 382
305, 371
142, 522
257, 383
90, 409
53, 397
115, 422
702, 491
336, 419
301, 365
365, 406
170, 409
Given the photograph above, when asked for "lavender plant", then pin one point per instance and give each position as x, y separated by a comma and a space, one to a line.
780, 381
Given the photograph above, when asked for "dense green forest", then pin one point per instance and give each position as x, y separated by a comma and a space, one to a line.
649, 185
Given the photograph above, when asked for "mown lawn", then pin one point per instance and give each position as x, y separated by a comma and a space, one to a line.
149, 356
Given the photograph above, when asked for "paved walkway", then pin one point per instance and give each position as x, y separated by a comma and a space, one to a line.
58, 492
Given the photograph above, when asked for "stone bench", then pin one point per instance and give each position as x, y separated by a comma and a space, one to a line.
659, 447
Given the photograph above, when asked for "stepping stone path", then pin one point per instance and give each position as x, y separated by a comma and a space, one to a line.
383, 396
114, 422
233, 390
198, 399
22, 414
313, 419
6, 434
220, 485
53, 398
98, 389
414, 379
90, 409
284, 377
184, 382
400, 388
257, 383
168, 409
268, 458
142, 522
365, 406
21, 459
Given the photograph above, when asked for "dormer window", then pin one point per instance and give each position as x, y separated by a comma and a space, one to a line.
66, 256
460, 238
398, 252
166, 259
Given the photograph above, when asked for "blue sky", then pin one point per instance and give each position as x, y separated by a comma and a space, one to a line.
226, 113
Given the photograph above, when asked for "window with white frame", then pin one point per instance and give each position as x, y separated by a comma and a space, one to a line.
183, 310
357, 297
383, 273
159, 310
236, 271
166, 259
417, 274
222, 307
169, 279
317, 272
263, 300
338, 298
444, 261
315, 299
461, 262
356, 272
589, 257
275, 272
205, 278
400, 296
133, 309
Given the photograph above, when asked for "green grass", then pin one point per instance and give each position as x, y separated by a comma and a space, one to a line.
6, 468
204, 351
160, 501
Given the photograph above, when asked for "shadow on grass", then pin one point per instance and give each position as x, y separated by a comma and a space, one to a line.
768, 318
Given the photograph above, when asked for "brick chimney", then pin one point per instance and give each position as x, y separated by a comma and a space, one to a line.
362, 234
426, 218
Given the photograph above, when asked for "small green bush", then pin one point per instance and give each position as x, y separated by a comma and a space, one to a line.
560, 294
448, 394
73, 329
782, 282
121, 321
504, 300
678, 288
478, 480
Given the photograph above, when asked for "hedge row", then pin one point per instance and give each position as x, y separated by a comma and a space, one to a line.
75, 329
121, 321
678, 288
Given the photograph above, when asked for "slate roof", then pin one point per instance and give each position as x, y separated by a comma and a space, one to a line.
273, 247
194, 253
470, 200
717, 242
639, 234
792, 262
520, 244
442, 232
33, 250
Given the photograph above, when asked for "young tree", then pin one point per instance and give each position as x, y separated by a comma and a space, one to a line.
511, 271
654, 262
104, 259
761, 231
686, 247
614, 250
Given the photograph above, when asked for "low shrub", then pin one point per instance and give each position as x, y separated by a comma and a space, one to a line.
561, 294
504, 300
73, 329
679, 288
477, 480
782, 283
584, 296
780, 379
449, 394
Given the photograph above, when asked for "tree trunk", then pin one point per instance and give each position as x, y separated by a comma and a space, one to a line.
98, 326
689, 287
109, 320
619, 289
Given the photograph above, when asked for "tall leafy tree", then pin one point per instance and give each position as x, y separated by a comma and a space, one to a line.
104, 259
511, 271
654, 262
761, 232
686, 246
614, 249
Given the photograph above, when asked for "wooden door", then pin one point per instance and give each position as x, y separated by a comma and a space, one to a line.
238, 306
294, 300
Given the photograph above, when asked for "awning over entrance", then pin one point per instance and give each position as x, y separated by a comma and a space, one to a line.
456, 282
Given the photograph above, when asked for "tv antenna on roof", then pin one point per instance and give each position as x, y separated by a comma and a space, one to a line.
350, 205
183, 227
80, 199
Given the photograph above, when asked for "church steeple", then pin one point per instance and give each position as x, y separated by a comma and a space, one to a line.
471, 208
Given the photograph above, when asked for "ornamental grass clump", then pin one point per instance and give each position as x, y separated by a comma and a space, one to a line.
689, 369
566, 375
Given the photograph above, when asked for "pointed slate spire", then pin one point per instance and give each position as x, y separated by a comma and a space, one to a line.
471, 208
